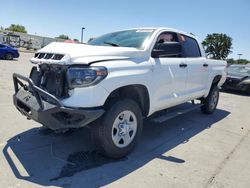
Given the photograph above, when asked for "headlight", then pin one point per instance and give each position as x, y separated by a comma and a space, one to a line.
83, 77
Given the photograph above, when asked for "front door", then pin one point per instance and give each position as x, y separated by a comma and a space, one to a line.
169, 77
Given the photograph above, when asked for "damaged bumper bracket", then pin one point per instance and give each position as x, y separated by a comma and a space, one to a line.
39, 105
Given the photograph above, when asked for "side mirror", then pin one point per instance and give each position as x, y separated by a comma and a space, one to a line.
168, 49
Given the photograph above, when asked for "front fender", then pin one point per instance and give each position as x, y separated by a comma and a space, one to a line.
126, 72
120, 73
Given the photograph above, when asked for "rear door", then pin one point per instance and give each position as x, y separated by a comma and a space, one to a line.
197, 67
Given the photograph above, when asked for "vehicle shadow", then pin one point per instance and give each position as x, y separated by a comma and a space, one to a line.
71, 159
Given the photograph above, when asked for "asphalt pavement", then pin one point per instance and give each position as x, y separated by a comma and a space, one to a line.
191, 150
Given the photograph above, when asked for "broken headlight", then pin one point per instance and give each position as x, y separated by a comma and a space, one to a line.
85, 76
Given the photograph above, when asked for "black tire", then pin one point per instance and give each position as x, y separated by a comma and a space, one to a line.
8, 56
105, 130
211, 101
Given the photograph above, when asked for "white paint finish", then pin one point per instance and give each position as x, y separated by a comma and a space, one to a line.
83, 53
166, 82
216, 67
93, 96
197, 75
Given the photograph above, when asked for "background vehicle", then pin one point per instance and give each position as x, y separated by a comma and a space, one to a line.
115, 81
238, 78
7, 52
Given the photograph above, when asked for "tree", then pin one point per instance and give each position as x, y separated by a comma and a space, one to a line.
16, 28
218, 45
242, 61
65, 37
239, 61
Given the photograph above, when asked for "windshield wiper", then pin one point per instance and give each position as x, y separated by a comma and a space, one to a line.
111, 43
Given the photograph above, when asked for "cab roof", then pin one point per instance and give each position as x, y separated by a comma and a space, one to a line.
159, 29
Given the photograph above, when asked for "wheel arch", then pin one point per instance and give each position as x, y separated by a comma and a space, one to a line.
137, 92
216, 80
213, 81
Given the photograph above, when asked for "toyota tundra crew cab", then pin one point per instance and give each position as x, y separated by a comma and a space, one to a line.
116, 80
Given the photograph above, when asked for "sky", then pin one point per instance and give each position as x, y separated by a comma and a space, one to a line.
200, 17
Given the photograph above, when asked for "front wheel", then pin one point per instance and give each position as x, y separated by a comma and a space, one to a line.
211, 101
118, 131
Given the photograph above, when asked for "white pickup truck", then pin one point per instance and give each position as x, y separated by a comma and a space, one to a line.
115, 81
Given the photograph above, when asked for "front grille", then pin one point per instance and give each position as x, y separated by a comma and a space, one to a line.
51, 56
51, 78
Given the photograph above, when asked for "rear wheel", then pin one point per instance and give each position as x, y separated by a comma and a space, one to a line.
8, 56
211, 101
118, 131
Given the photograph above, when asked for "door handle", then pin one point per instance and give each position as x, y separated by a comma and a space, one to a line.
205, 65
183, 65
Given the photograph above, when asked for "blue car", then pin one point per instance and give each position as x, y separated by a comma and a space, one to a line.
7, 52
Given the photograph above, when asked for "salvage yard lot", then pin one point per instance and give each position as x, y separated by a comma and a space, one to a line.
192, 150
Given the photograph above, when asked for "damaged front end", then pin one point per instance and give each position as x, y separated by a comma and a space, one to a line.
51, 78
39, 98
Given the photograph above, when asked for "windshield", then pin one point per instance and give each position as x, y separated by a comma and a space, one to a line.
130, 38
239, 70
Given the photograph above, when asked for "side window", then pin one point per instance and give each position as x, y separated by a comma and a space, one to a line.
190, 47
167, 37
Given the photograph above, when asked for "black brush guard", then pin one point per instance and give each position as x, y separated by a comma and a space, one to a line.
43, 107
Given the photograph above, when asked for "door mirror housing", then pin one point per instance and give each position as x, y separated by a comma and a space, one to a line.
167, 49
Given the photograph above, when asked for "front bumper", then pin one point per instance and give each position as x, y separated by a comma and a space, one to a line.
41, 106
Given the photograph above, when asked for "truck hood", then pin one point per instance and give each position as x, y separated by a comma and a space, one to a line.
68, 53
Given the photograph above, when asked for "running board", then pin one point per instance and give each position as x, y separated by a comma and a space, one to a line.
173, 112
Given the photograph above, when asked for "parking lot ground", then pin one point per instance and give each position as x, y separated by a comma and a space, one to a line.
192, 150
